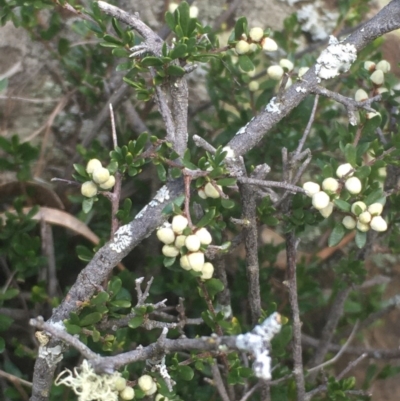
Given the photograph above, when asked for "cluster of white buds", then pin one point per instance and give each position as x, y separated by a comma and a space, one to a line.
253, 42
276, 72
101, 177
209, 191
365, 217
377, 77
193, 10
172, 236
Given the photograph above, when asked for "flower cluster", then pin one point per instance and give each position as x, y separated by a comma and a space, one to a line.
101, 177
378, 72
256, 38
362, 217
188, 246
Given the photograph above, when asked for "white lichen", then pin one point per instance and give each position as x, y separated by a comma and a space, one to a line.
122, 238
162, 195
273, 107
52, 355
336, 58
242, 130
141, 213
301, 89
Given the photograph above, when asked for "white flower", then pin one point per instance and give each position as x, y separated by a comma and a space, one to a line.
361, 205
254, 86
152, 390
349, 222
119, 383
89, 189
192, 243
180, 241
100, 175
382, 90
193, 12
343, 170
365, 217
170, 251
302, 71
320, 200
204, 236
160, 397
311, 188
275, 72
378, 77
166, 235
196, 261
92, 165
353, 185
375, 209
269, 45
207, 271
109, 183
360, 95
145, 383
362, 227
202, 194
179, 223
184, 262
128, 393
327, 211
256, 34
212, 192
371, 115
285, 63
330, 185
242, 47
384, 66
378, 224
369, 66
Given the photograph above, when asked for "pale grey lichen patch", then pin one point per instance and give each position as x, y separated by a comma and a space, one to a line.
52, 355
336, 58
122, 238
161, 196
301, 89
242, 130
141, 213
273, 107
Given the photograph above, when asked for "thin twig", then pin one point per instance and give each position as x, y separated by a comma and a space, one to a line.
308, 128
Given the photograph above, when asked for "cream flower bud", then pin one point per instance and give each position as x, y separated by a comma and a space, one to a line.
359, 204
254, 86
184, 262
101, 175
204, 236
92, 165
288, 84
166, 235
320, 200
253, 48
202, 194
383, 65
180, 241
120, 383
109, 183
286, 63
179, 223
369, 66
371, 115
349, 222
160, 397
192, 243
242, 47
302, 71
89, 189
196, 261
375, 209
365, 217
212, 192
378, 77
360, 95
256, 34
378, 224
145, 383
152, 390
327, 211
382, 90
353, 185
229, 152
172, 7
275, 72
362, 227
269, 45
330, 185
128, 393
343, 170
193, 12
170, 251
311, 188
207, 271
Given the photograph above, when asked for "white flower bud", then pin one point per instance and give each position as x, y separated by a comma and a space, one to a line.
193, 12
288, 84
92, 165
229, 152
361, 205
375, 209
145, 383
192, 243
349, 222
196, 261
343, 169
184, 262
253, 48
302, 71
204, 236
285, 63
207, 271
119, 383
128, 393
212, 192
311, 188
275, 72
166, 235
330, 185
180, 241
327, 211
369, 66
256, 34
378, 224
254, 86
269, 45
360, 95
364, 217
353, 185
371, 115
100, 175
242, 47
89, 189
320, 200
170, 251
172, 7
378, 77
384, 66
109, 183
179, 223
202, 194
160, 397
152, 390
382, 90
362, 227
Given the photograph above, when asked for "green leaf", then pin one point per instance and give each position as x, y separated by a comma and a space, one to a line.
114, 286
3, 84
140, 143
169, 261
337, 234
185, 373
361, 239
363, 172
179, 51
342, 205
184, 17
136, 322
117, 28
10, 293
87, 205
371, 125
84, 253
121, 303
206, 219
214, 286
111, 39
72, 328
350, 153
206, 316
226, 182
170, 20
245, 63
373, 197
100, 298
5, 322
151, 61
175, 70
2, 344
227, 203
175, 172
240, 27
91, 318
80, 170
161, 172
